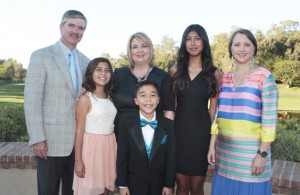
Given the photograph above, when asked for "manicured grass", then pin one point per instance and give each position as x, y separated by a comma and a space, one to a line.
289, 98
12, 93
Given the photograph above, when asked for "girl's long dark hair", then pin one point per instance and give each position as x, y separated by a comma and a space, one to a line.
88, 83
181, 77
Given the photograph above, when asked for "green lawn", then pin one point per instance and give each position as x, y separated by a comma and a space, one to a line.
12, 93
289, 99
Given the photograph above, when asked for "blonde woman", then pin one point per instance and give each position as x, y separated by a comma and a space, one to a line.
141, 67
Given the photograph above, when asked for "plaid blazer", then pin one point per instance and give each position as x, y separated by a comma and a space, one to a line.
50, 100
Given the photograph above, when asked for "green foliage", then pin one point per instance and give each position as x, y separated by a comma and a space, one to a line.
11, 70
117, 63
287, 143
281, 42
107, 56
220, 53
287, 71
121, 61
166, 53
12, 120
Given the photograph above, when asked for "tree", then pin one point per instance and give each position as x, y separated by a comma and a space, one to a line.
6, 72
121, 61
283, 39
293, 43
281, 42
107, 56
220, 53
166, 53
12, 70
1, 61
287, 71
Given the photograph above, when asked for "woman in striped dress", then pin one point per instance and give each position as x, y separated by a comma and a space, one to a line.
244, 124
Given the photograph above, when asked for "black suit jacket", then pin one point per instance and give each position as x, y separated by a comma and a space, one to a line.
143, 175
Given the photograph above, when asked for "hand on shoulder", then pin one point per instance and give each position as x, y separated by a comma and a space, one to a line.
81, 92
218, 74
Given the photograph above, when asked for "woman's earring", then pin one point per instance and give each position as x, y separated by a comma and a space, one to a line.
251, 64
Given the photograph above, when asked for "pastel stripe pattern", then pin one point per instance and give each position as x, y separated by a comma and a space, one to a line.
245, 116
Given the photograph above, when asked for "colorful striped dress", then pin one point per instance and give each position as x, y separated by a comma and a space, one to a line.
245, 116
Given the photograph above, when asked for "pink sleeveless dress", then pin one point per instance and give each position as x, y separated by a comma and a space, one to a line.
99, 149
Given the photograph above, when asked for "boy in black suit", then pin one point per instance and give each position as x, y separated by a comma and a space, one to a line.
146, 148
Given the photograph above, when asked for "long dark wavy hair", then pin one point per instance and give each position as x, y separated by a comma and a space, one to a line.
89, 84
181, 77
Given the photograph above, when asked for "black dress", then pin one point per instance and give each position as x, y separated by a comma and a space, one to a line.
123, 93
192, 128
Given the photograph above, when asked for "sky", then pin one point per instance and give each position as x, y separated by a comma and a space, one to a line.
27, 25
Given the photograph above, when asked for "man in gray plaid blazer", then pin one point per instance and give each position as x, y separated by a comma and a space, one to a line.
50, 101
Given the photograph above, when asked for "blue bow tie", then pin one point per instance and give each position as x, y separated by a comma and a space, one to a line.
153, 124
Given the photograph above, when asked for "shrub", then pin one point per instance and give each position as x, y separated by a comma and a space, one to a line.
287, 143
287, 71
12, 120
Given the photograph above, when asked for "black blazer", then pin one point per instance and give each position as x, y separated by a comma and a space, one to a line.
143, 175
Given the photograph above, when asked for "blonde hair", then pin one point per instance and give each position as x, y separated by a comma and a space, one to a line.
143, 37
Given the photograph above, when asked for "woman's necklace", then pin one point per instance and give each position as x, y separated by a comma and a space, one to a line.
139, 79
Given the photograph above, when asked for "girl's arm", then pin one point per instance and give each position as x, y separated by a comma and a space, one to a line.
168, 113
211, 156
82, 108
214, 100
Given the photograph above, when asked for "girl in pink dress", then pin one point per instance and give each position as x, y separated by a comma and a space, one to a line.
95, 142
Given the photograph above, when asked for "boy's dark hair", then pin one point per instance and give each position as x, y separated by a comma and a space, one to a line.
146, 82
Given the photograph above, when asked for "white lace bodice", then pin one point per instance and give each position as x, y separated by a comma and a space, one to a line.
100, 119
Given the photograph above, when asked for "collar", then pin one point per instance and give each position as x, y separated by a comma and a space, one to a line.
153, 118
65, 49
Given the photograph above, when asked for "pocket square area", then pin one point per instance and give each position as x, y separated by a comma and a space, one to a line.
164, 140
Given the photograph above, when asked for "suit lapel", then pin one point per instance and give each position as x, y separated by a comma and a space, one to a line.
137, 135
62, 65
158, 136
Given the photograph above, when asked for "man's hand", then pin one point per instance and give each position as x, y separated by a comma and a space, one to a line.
40, 149
81, 92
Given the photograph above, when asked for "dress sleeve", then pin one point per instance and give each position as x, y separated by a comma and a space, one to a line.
166, 95
269, 96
